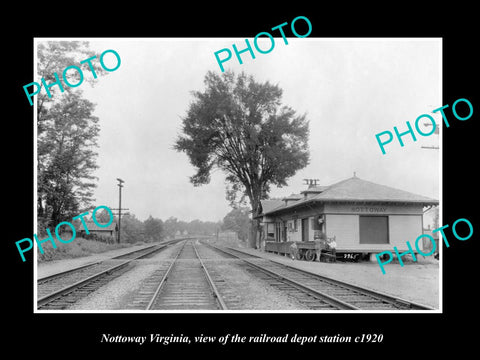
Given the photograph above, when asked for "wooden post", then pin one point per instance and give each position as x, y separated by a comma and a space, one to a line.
120, 182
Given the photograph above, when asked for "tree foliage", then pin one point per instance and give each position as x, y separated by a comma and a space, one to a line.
67, 133
238, 220
153, 229
54, 57
66, 160
195, 227
240, 126
103, 216
133, 229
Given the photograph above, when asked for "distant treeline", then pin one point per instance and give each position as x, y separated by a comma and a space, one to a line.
154, 229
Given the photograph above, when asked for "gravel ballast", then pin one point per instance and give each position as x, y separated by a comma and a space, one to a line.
244, 290
416, 281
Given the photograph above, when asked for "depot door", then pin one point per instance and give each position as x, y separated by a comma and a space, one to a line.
305, 229
374, 230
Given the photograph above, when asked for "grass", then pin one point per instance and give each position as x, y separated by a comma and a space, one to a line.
77, 248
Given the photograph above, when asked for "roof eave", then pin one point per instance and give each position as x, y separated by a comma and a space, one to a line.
293, 206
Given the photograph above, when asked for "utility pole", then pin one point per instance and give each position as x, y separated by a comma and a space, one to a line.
436, 132
120, 182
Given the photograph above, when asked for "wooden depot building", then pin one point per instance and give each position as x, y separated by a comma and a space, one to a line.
363, 217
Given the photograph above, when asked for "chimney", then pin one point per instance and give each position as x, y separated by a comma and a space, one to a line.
312, 189
311, 182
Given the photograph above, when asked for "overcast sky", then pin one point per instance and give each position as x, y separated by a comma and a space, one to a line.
350, 89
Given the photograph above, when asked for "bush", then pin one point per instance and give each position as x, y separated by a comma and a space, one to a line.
77, 248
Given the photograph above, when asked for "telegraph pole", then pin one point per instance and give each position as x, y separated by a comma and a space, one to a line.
436, 132
120, 182
114, 211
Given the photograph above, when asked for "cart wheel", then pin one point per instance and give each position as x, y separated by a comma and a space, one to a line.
310, 255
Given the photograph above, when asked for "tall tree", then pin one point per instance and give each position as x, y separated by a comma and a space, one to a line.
238, 220
239, 125
153, 229
171, 225
66, 160
103, 217
133, 229
67, 133
53, 57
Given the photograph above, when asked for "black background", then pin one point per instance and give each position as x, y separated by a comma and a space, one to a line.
55, 335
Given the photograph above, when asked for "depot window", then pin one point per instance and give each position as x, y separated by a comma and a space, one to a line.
373, 229
270, 230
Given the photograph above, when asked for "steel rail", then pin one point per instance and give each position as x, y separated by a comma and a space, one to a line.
81, 283
70, 288
373, 293
163, 280
217, 298
138, 251
62, 273
216, 293
306, 289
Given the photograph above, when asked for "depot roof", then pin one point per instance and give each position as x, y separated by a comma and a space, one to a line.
353, 189
269, 205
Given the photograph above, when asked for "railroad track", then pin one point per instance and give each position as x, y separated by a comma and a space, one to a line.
183, 283
316, 291
61, 290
